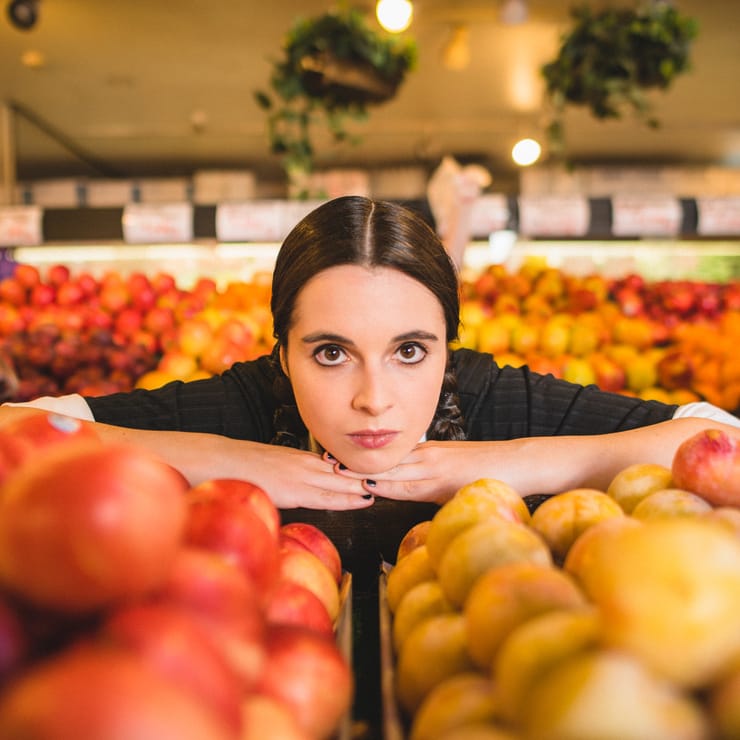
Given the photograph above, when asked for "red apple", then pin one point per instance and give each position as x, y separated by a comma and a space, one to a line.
159, 319
27, 275
292, 603
708, 463
237, 533
128, 321
12, 291
179, 648
307, 672
225, 601
24, 438
97, 692
244, 493
87, 525
57, 275
303, 567
114, 297
163, 282
43, 295
11, 320
317, 542
69, 294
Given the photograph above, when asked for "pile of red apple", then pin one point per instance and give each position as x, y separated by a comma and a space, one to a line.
135, 605
64, 332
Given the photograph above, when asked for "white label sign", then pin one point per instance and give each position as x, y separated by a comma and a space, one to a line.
20, 226
554, 215
147, 223
490, 213
718, 216
646, 215
262, 221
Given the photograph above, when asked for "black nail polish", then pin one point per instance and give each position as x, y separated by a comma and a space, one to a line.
329, 456
342, 466
370, 482
367, 496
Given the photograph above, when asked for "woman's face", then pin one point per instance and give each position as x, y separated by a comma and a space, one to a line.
366, 356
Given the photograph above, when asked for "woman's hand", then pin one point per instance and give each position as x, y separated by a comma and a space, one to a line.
296, 478
431, 472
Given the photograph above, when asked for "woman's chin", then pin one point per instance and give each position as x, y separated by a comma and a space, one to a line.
368, 462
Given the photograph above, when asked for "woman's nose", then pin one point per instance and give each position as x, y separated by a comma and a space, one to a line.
373, 394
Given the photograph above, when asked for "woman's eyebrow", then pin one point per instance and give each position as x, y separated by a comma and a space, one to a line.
325, 336
416, 334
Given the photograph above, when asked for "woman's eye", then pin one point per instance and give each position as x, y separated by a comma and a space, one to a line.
329, 354
411, 353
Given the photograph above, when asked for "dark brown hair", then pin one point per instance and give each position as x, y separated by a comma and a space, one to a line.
355, 230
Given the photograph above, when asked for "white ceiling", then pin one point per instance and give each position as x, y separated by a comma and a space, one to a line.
166, 87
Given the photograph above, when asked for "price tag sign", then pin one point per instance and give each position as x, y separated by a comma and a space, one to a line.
550, 215
262, 221
646, 215
155, 223
718, 216
490, 213
248, 222
20, 226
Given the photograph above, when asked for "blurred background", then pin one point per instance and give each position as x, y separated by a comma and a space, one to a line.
166, 87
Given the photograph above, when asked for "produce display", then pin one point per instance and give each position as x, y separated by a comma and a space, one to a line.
675, 341
134, 605
601, 614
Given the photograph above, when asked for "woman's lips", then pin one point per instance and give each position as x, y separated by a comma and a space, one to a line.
373, 440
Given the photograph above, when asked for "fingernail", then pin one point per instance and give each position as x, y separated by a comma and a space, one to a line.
329, 456
370, 482
342, 466
367, 496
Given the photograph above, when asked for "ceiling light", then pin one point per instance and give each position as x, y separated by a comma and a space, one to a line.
526, 152
513, 12
394, 15
23, 14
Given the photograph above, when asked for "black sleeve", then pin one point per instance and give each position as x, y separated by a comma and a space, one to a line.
239, 404
508, 403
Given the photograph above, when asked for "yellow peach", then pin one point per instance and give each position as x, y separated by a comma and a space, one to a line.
506, 596
482, 547
418, 603
414, 568
471, 504
670, 502
534, 647
433, 651
669, 592
604, 694
633, 483
459, 700
563, 517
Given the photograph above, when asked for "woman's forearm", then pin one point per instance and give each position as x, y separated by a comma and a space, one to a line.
556, 464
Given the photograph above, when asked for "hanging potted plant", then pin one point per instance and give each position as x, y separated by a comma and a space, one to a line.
333, 68
610, 59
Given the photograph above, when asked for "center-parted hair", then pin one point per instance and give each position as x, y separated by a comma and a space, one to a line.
355, 230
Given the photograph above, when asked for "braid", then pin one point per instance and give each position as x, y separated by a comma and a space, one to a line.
287, 422
448, 422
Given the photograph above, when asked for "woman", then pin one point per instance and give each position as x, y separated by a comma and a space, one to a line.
361, 398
